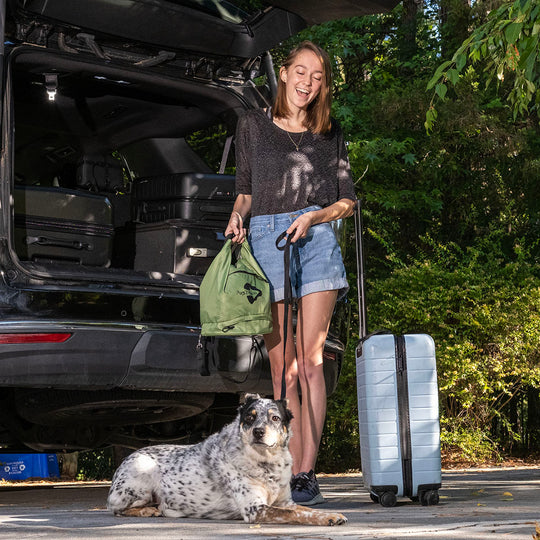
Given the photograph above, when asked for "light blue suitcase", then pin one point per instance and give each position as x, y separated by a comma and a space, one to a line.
398, 410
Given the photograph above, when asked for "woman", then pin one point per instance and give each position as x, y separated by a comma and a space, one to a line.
293, 173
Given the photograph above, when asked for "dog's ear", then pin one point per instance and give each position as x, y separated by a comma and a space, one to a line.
286, 412
250, 397
247, 401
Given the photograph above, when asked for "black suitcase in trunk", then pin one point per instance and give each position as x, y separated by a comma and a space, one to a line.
174, 246
60, 225
197, 196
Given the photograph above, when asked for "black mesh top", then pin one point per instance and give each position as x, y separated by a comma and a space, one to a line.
281, 178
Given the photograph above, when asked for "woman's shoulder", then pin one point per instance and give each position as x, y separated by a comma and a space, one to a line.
335, 131
252, 119
253, 115
335, 126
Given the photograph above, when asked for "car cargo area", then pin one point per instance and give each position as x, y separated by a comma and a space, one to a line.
118, 171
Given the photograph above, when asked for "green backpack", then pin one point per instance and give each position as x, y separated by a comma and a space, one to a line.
235, 294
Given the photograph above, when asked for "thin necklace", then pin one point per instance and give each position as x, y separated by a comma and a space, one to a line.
297, 146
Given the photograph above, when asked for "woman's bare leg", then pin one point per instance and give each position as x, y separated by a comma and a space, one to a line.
314, 314
304, 363
274, 346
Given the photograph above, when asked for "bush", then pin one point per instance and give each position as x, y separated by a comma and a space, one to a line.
96, 465
340, 448
485, 319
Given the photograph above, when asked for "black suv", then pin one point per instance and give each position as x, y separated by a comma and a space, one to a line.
116, 187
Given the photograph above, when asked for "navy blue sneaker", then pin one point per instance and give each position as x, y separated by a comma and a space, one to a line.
305, 489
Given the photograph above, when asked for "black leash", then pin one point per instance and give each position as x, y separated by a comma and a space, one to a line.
287, 299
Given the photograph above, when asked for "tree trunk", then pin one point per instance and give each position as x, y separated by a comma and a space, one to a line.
455, 18
533, 420
408, 46
69, 465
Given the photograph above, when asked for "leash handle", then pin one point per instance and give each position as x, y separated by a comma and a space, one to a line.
287, 298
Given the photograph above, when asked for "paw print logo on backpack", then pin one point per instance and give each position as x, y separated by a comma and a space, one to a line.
251, 298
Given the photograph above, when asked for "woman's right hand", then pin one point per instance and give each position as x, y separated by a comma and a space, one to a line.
236, 228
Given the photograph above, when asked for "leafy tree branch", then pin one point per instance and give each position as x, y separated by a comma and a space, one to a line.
507, 44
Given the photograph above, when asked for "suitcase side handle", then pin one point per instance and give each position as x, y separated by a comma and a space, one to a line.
58, 242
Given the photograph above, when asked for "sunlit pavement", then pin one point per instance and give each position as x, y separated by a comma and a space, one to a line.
474, 504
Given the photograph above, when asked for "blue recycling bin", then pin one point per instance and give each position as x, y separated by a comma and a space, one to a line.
23, 466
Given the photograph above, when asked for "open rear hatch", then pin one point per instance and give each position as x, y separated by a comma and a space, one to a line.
109, 180
202, 26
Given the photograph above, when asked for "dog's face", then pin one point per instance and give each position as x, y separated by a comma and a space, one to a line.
264, 423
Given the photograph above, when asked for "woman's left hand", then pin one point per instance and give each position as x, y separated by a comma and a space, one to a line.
340, 209
300, 226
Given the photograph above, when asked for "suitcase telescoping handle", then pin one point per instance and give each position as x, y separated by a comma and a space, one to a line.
360, 271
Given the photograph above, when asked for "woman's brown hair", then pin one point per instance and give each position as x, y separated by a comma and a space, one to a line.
318, 111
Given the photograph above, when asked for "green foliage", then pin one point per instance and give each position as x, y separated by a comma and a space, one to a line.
485, 319
208, 144
96, 465
477, 172
507, 45
466, 445
354, 44
340, 447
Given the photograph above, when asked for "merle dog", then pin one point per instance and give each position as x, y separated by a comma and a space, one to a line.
242, 471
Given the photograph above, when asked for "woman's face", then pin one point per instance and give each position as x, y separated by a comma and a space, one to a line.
303, 79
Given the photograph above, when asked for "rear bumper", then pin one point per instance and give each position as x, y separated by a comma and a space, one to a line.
104, 356
131, 356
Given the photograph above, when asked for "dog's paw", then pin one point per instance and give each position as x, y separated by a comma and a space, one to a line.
150, 511
336, 519
144, 511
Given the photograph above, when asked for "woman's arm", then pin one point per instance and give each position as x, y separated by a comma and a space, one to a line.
241, 209
340, 209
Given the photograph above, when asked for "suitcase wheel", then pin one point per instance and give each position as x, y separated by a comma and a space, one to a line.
429, 498
386, 498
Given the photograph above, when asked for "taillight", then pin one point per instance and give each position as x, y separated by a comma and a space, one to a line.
34, 338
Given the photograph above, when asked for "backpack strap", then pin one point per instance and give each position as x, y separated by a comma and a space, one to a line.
287, 299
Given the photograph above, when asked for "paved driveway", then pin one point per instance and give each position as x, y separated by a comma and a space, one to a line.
475, 504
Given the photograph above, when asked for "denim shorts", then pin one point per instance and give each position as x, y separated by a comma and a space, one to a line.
316, 263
